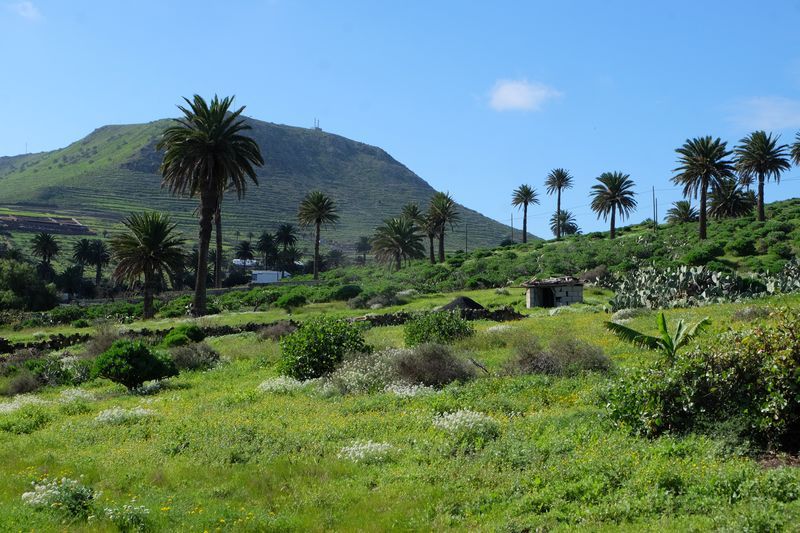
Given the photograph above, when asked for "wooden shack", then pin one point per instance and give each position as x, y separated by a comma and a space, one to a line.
553, 292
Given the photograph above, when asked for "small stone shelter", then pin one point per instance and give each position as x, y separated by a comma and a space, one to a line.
553, 292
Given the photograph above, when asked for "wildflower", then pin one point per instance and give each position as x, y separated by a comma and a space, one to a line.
280, 385
20, 401
366, 451
407, 391
118, 415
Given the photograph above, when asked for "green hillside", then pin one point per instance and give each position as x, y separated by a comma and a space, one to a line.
114, 171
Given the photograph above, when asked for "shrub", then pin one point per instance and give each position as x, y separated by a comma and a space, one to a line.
277, 331
280, 385
468, 430
564, 357
69, 496
129, 517
365, 373
289, 301
742, 246
22, 288
24, 381
131, 363
346, 292
117, 416
441, 327
702, 254
747, 379
105, 335
433, 365
80, 323
750, 313
195, 356
318, 346
366, 452
178, 307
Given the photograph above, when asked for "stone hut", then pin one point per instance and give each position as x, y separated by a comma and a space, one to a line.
553, 292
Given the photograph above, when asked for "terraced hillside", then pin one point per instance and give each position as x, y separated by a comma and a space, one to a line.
114, 171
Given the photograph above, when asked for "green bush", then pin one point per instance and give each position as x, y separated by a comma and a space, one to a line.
131, 363
433, 365
22, 288
346, 292
747, 380
318, 346
195, 356
290, 300
742, 246
565, 356
183, 335
80, 323
439, 327
702, 254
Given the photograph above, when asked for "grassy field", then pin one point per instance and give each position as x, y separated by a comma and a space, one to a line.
218, 454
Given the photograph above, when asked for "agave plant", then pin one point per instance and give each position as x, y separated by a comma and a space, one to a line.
668, 343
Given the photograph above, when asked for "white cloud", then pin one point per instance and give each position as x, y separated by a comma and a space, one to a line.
520, 95
767, 113
25, 10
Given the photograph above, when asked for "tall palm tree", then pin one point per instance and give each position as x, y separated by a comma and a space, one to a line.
216, 259
288, 257
703, 162
150, 247
363, 247
245, 252
729, 200
614, 194
443, 212
286, 237
82, 254
759, 156
424, 222
796, 149
100, 257
267, 248
565, 223
206, 153
681, 211
397, 240
523, 196
317, 209
558, 180
45, 247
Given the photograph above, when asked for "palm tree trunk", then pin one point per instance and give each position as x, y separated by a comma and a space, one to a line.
208, 206
525, 223
316, 253
703, 198
613, 220
441, 245
397, 261
98, 274
430, 248
218, 259
558, 215
761, 216
147, 310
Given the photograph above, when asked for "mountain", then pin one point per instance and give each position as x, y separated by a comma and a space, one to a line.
114, 171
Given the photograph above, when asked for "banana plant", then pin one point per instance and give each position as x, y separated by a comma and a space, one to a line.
666, 342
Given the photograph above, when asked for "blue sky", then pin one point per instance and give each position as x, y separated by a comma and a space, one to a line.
475, 97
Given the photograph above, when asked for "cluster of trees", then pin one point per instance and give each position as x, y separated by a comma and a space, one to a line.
707, 170
401, 238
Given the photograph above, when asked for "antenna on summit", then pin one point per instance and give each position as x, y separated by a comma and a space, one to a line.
316, 125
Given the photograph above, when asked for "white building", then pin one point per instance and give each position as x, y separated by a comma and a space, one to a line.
263, 277
553, 292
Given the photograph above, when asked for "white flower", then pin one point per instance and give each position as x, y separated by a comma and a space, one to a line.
74, 395
67, 494
366, 451
501, 328
118, 415
467, 424
407, 391
281, 385
19, 401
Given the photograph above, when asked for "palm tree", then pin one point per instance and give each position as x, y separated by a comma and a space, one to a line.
215, 259
558, 180
362, 247
245, 252
443, 212
522, 196
729, 200
205, 153
267, 248
759, 156
100, 257
703, 162
82, 254
288, 257
614, 194
396, 240
286, 237
150, 247
681, 211
335, 258
796, 149
666, 342
45, 247
317, 209
565, 223
425, 222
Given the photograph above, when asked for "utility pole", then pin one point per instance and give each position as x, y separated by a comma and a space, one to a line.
655, 210
512, 227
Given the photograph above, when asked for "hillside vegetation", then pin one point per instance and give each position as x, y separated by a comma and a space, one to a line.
114, 171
